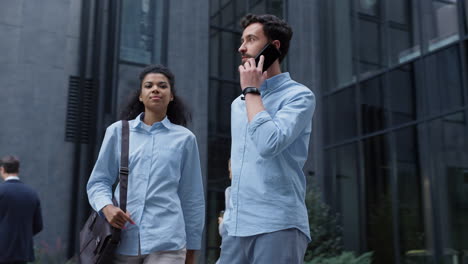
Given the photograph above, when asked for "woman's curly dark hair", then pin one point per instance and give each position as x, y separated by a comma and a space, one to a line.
177, 111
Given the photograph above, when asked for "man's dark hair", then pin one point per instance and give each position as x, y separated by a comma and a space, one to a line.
274, 29
177, 111
10, 164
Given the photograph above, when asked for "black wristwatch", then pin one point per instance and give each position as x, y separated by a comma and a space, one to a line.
247, 90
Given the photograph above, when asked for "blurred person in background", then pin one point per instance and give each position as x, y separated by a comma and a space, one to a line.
20, 215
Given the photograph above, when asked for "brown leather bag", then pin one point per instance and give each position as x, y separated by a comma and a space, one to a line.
98, 239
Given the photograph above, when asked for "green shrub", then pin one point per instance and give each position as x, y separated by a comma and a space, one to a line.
343, 258
325, 231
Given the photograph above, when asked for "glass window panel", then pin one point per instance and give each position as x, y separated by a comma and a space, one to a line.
137, 31
214, 7
466, 21
341, 115
413, 237
403, 30
213, 113
369, 7
343, 166
378, 202
449, 162
370, 44
399, 11
339, 45
228, 15
405, 92
443, 24
258, 6
215, 46
241, 10
215, 18
275, 7
229, 57
128, 84
443, 81
374, 114
222, 106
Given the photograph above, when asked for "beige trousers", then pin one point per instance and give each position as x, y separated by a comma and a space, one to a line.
160, 257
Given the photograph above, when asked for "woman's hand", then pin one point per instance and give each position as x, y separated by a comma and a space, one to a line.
116, 217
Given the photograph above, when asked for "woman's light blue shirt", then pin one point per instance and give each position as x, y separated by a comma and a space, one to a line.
165, 189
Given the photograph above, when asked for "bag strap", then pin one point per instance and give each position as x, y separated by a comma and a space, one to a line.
123, 171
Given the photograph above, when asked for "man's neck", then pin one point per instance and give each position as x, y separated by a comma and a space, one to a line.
274, 70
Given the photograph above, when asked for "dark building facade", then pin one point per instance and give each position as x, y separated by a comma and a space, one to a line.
390, 137
395, 146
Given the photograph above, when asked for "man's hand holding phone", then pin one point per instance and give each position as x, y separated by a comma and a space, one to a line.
251, 75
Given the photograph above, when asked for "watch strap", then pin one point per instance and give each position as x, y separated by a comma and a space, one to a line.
247, 90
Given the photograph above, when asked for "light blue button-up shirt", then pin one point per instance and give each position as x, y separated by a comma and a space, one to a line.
267, 156
165, 190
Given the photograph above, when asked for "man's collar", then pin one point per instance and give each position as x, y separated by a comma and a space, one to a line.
9, 178
272, 83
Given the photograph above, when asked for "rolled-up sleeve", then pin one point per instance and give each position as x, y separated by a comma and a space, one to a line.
104, 174
191, 195
271, 135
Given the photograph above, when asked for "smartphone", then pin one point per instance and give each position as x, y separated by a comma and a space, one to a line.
271, 53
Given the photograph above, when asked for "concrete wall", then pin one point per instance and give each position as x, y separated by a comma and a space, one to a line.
38, 51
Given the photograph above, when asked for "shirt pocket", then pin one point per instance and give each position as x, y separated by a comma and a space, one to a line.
169, 160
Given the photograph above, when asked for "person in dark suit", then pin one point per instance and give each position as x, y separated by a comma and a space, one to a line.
20, 215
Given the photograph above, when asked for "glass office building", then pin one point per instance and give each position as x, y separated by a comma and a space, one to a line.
396, 137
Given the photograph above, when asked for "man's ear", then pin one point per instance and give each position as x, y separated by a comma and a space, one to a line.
277, 43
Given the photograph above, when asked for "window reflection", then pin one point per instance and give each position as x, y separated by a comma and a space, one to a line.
444, 21
341, 115
343, 165
378, 202
403, 30
449, 148
339, 44
138, 29
443, 81
413, 236
370, 42
405, 94
369, 7
466, 17
373, 111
